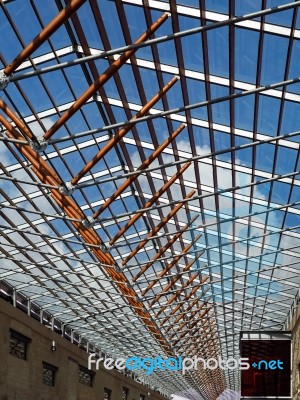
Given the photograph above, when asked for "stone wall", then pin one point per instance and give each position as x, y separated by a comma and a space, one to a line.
23, 379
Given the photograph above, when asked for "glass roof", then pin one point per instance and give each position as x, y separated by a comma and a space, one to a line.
150, 194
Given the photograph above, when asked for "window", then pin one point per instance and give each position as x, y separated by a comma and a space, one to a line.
86, 376
107, 394
125, 393
49, 372
18, 345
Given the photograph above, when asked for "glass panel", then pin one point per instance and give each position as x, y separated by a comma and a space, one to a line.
280, 18
218, 6
268, 115
218, 51
246, 53
191, 45
273, 59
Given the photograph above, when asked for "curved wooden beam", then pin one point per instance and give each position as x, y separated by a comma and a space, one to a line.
19, 124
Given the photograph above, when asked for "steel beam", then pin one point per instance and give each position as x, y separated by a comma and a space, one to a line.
178, 306
157, 228
52, 27
273, 232
165, 248
186, 200
195, 158
150, 42
200, 104
169, 266
149, 203
102, 79
139, 170
121, 124
32, 183
179, 317
166, 289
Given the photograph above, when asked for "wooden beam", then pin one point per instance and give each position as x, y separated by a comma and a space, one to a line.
158, 227
132, 178
102, 79
56, 23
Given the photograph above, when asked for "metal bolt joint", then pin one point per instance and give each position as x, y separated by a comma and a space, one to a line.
105, 248
88, 222
4, 80
39, 144
67, 189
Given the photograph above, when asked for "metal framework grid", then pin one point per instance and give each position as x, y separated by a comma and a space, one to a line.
149, 175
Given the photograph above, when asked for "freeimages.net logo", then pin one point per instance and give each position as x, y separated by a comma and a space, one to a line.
185, 364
